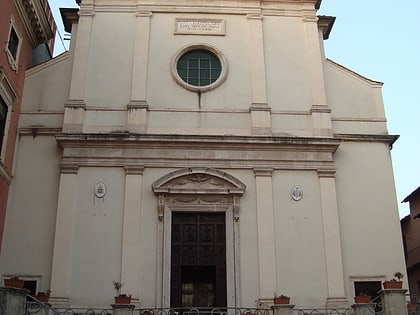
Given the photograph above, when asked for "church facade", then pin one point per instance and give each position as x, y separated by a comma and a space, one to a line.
202, 153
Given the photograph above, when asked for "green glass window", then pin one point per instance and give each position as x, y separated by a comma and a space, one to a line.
199, 67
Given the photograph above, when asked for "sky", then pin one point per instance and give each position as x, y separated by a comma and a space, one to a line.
379, 40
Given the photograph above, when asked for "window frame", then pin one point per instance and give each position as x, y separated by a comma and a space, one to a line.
9, 95
13, 60
26, 278
194, 88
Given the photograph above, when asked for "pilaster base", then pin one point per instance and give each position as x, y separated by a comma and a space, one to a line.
59, 301
337, 303
122, 309
363, 309
283, 309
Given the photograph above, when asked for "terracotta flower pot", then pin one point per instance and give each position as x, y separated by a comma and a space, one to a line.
14, 283
281, 300
42, 297
362, 299
392, 284
123, 299
411, 307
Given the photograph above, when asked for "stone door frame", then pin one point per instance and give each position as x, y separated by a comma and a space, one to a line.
198, 189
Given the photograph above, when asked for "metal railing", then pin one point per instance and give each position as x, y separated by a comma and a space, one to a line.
35, 307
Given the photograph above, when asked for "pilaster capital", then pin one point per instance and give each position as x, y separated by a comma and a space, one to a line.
320, 109
134, 169
260, 107
137, 104
86, 10
263, 171
255, 16
326, 173
75, 104
66, 168
142, 13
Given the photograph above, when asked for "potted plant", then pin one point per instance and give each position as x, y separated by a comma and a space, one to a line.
14, 282
362, 298
394, 283
42, 296
282, 299
121, 298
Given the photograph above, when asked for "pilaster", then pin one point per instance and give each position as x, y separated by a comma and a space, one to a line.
81, 53
137, 108
332, 240
75, 108
130, 265
259, 109
321, 114
61, 269
74, 116
266, 236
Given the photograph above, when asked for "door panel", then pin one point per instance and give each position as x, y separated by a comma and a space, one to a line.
198, 260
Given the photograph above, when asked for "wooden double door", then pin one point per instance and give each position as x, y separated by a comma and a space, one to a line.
198, 260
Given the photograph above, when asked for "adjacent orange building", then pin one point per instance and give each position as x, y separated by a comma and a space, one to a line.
27, 30
410, 226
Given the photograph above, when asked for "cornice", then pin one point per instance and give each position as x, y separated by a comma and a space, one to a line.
128, 139
325, 23
152, 151
388, 139
38, 20
305, 9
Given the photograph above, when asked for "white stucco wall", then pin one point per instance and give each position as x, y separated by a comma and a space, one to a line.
363, 200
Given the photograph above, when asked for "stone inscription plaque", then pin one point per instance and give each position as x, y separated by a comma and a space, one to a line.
200, 26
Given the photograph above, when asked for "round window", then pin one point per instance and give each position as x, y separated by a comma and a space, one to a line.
199, 68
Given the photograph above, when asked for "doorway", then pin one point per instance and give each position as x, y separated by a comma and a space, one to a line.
198, 260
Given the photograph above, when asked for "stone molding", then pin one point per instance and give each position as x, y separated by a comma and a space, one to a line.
38, 21
134, 170
260, 107
181, 151
75, 104
137, 104
198, 180
266, 172
69, 168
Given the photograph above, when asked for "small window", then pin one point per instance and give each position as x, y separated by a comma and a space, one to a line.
369, 287
199, 68
3, 119
13, 44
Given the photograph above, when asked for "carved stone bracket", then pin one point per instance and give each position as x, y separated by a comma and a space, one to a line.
161, 207
236, 208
